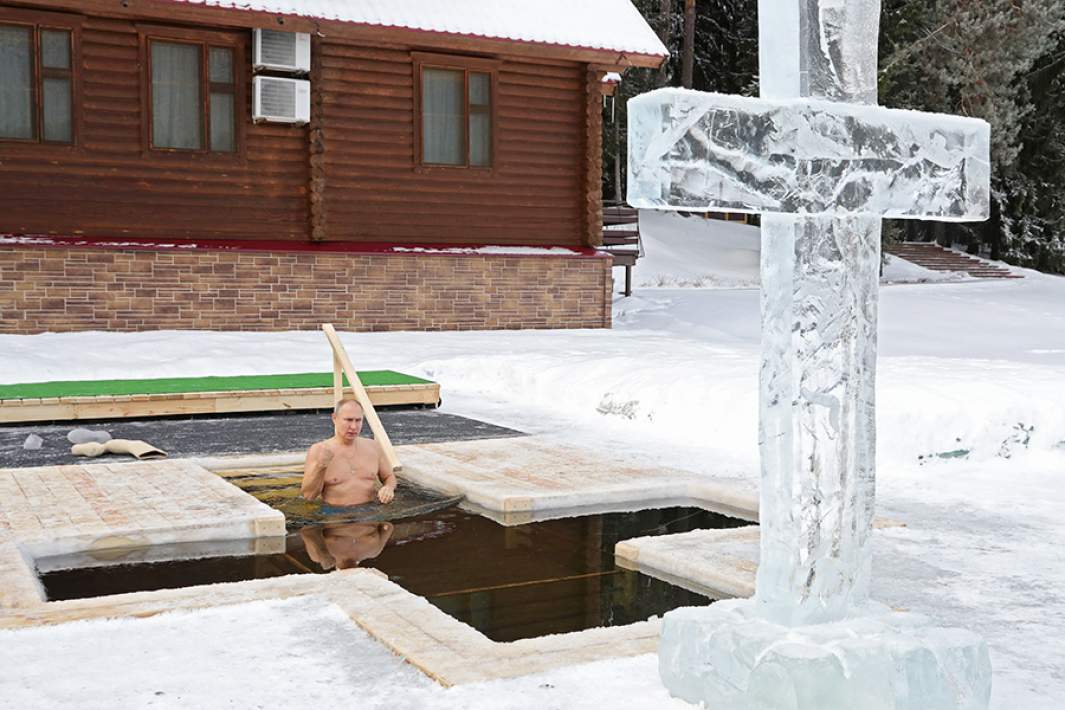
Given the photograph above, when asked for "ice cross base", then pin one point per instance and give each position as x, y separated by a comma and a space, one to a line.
729, 657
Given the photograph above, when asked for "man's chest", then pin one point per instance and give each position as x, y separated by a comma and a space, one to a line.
350, 466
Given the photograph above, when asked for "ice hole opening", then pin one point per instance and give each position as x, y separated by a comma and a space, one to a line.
509, 582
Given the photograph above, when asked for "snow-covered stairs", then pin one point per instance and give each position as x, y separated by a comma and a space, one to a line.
936, 258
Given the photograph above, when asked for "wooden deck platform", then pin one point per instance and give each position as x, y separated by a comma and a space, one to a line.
171, 404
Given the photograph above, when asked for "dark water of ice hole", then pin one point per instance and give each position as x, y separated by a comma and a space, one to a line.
509, 582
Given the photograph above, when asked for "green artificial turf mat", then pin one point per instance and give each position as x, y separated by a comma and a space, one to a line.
178, 385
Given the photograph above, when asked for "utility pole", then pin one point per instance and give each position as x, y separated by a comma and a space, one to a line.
688, 53
665, 20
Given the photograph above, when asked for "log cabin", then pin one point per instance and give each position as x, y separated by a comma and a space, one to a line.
276, 164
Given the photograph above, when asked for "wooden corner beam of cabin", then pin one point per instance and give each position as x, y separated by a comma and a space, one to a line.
593, 158
316, 201
340, 357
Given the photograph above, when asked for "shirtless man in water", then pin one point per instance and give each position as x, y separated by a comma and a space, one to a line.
344, 470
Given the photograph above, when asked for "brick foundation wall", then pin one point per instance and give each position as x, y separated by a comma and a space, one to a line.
63, 288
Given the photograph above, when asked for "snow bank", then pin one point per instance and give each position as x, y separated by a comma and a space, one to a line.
691, 252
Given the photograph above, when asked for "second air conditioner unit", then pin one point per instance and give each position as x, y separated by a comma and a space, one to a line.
281, 100
281, 51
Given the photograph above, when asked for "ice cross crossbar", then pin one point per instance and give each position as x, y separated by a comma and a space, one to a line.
691, 150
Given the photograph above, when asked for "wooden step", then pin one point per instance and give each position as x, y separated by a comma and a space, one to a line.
936, 258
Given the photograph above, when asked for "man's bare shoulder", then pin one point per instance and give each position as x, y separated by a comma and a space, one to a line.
372, 445
321, 448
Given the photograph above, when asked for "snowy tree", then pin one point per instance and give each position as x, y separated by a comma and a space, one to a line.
976, 59
725, 59
1034, 194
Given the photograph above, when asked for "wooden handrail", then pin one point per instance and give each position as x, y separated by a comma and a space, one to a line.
341, 363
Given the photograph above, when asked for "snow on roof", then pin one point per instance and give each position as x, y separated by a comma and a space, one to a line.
612, 77
613, 25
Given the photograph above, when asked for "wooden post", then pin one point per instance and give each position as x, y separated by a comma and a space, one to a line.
688, 53
378, 429
338, 380
665, 29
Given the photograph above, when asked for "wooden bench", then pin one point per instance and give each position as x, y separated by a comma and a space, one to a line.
621, 238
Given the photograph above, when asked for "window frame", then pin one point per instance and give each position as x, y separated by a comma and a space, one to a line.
37, 21
205, 39
478, 65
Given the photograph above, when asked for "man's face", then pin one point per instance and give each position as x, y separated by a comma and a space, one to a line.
348, 422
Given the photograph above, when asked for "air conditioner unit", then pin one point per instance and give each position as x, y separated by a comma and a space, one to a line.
281, 100
281, 51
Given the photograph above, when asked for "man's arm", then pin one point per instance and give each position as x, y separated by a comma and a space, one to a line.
318, 458
314, 543
388, 478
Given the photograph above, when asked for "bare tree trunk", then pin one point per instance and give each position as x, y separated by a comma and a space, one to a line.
688, 53
665, 19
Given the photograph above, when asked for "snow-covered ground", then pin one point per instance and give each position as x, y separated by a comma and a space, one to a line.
971, 369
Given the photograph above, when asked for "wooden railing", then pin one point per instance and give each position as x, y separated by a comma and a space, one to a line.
621, 238
342, 367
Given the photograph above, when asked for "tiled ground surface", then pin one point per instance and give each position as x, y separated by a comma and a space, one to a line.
717, 563
444, 648
56, 510
520, 480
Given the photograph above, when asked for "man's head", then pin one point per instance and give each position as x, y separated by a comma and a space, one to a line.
347, 419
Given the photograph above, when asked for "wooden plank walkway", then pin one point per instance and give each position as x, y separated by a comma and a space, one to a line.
170, 404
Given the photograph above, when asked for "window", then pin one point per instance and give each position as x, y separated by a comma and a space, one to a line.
193, 90
455, 111
36, 83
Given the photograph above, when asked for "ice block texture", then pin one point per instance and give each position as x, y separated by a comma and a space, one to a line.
728, 657
817, 417
690, 150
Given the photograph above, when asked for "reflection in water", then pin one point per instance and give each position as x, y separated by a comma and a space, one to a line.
345, 545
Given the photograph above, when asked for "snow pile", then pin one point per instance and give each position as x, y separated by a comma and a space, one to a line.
508, 250
598, 24
691, 252
296, 653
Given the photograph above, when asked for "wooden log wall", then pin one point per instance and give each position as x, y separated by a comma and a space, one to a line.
354, 164
532, 195
109, 186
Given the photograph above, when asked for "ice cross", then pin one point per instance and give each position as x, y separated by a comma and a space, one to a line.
823, 164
